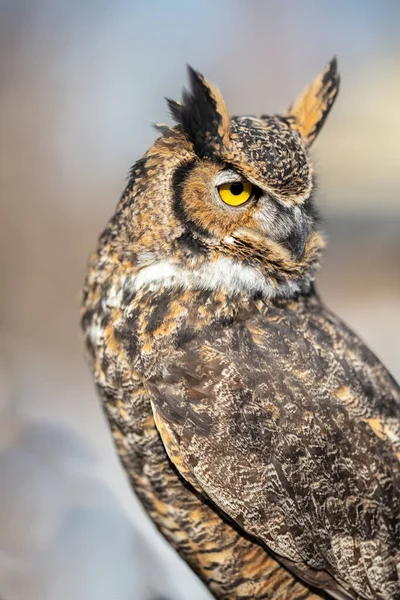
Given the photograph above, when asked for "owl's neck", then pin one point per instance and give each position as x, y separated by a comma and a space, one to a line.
222, 274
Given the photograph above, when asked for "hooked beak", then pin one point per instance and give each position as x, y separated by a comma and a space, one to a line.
296, 241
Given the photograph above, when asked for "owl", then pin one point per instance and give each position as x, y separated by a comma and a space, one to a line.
260, 433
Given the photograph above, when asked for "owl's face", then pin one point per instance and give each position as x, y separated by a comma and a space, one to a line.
225, 202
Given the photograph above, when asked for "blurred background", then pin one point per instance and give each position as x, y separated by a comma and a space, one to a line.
81, 82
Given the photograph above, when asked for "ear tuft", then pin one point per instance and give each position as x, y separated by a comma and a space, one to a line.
203, 115
175, 108
310, 110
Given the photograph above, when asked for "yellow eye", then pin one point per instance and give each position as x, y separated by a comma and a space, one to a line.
235, 193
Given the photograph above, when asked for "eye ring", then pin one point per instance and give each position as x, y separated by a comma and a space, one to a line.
235, 193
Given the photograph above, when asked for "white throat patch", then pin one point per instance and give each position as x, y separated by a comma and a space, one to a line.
222, 273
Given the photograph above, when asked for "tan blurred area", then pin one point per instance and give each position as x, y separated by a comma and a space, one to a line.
80, 85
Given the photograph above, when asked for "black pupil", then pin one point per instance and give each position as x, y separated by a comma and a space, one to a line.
236, 188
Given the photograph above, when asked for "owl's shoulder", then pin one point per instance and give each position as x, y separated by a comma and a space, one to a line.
292, 358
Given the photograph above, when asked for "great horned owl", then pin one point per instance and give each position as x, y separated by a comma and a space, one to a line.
259, 432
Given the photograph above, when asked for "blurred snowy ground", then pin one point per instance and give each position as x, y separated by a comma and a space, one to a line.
80, 85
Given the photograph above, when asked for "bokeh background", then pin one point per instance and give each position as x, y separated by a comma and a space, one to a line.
81, 82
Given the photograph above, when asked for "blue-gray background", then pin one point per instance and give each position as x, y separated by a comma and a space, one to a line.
80, 84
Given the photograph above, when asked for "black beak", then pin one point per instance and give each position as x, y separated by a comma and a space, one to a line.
298, 237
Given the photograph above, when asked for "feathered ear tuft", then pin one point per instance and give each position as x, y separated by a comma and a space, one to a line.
175, 108
203, 115
310, 110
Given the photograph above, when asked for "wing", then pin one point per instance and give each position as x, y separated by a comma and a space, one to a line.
291, 426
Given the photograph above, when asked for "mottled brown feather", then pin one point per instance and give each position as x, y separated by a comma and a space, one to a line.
273, 420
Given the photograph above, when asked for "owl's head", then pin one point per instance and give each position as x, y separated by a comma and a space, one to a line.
225, 202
